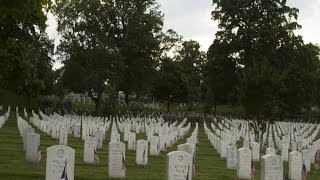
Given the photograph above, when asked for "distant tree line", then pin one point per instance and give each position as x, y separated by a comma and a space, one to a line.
256, 61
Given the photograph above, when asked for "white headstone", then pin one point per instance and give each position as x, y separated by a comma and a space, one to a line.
60, 162
25, 135
178, 166
255, 151
232, 157
270, 150
306, 159
154, 146
187, 147
246, 143
284, 152
132, 141
299, 145
76, 131
116, 159
63, 138
89, 148
142, 152
33, 151
244, 163
99, 138
271, 167
294, 146
295, 165
223, 149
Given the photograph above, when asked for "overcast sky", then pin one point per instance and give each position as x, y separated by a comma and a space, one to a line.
192, 20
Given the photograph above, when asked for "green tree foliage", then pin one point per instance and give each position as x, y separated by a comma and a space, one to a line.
191, 60
179, 74
302, 80
138, 33
40, 53
25, 50
108, 41
86, 47
169, 85
221, 75
272, 60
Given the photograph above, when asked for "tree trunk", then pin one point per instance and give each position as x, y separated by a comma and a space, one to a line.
168, 106
97, 101
215, 107
126, 99
190, 106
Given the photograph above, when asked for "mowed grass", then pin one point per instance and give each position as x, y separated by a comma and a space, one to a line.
14, 166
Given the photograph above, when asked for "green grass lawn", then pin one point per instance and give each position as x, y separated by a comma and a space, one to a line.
13, 165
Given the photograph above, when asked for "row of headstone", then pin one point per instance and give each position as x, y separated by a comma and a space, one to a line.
4, 117
31, 141
179, 163
91, 143
271, 164
25, 113
59, 127
155, 130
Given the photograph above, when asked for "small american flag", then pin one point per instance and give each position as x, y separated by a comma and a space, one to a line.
96, 157
38, 153
124, 167
143, 155
304, 171
253, 171
187, 178
64, 175
194, 164
158, 148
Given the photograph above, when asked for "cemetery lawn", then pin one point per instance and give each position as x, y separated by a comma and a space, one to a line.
13, 165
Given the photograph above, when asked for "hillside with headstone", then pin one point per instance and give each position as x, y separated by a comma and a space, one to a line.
159, 89
227, 149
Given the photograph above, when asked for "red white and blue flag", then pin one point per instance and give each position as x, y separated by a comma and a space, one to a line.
304, 171
96, 157
187, 178
194, 164
38, 153
64, 175
124, 167
143, 155
253, 170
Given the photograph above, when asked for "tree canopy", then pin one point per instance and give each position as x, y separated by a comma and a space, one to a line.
25, 49
257, 40
107, 41
256, 60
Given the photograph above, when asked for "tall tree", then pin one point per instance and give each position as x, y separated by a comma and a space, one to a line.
138, 25
22, 23
108, 41
302, 80
191, 60
261, 39
169, 85
87, 47
221, 76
